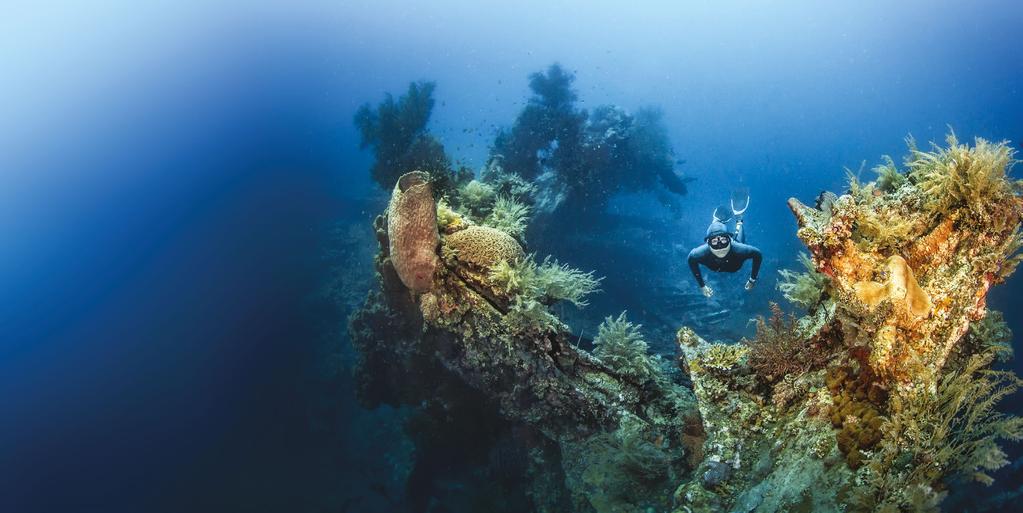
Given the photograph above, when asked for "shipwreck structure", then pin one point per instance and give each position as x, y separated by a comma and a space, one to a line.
875, 400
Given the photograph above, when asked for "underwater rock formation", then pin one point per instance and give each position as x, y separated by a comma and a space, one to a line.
888, 254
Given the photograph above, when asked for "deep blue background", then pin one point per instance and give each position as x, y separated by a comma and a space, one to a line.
166, 176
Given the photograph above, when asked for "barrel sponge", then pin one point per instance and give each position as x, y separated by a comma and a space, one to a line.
412, 231
484, 247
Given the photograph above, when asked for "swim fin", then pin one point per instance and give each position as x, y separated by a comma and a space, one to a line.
722, 214
739, 201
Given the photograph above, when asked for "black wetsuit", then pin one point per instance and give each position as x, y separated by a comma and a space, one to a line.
731, 262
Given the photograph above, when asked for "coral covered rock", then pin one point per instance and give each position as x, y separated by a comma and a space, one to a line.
934, 275
484, 328
878, 397
412, 231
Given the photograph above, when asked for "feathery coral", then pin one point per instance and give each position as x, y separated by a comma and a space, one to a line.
508, 216
779, 349
803, 288
620, 345
547, 282
961, 175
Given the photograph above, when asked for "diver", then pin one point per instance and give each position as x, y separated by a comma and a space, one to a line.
722, 251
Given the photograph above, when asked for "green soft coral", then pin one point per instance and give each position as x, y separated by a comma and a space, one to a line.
961, 175
620, 344
509, 216
803, 288
476, 198
931, 435
889, 178
993, 333
547, 282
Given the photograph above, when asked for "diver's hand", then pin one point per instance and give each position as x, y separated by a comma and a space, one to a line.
750, 283
707, 291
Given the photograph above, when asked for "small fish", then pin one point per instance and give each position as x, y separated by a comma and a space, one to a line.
681, 161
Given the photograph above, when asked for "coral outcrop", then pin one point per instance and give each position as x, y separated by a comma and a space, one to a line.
580, 159
883, 393
396, 131
412, 231
484, 325
922, 277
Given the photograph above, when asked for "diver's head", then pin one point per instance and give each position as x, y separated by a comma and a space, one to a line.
718, 238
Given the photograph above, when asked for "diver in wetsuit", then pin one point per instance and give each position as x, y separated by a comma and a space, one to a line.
723, 252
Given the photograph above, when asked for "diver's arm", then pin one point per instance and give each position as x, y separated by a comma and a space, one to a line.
694, 266
757, 259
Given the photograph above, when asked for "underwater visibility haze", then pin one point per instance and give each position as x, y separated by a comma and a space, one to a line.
580, 257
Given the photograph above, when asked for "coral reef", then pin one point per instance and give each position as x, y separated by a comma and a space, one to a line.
579, 158
883, 394
879, 399
412, 231
963, 238
484, 328
396, 131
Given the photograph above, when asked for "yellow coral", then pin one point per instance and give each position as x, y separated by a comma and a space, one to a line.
903, 285
723, 356
449, 221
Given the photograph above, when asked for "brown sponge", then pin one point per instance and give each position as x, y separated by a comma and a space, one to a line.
412, 231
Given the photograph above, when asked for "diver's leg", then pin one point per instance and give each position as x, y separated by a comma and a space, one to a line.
740, 233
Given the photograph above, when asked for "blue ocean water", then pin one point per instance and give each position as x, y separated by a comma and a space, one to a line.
182, 197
